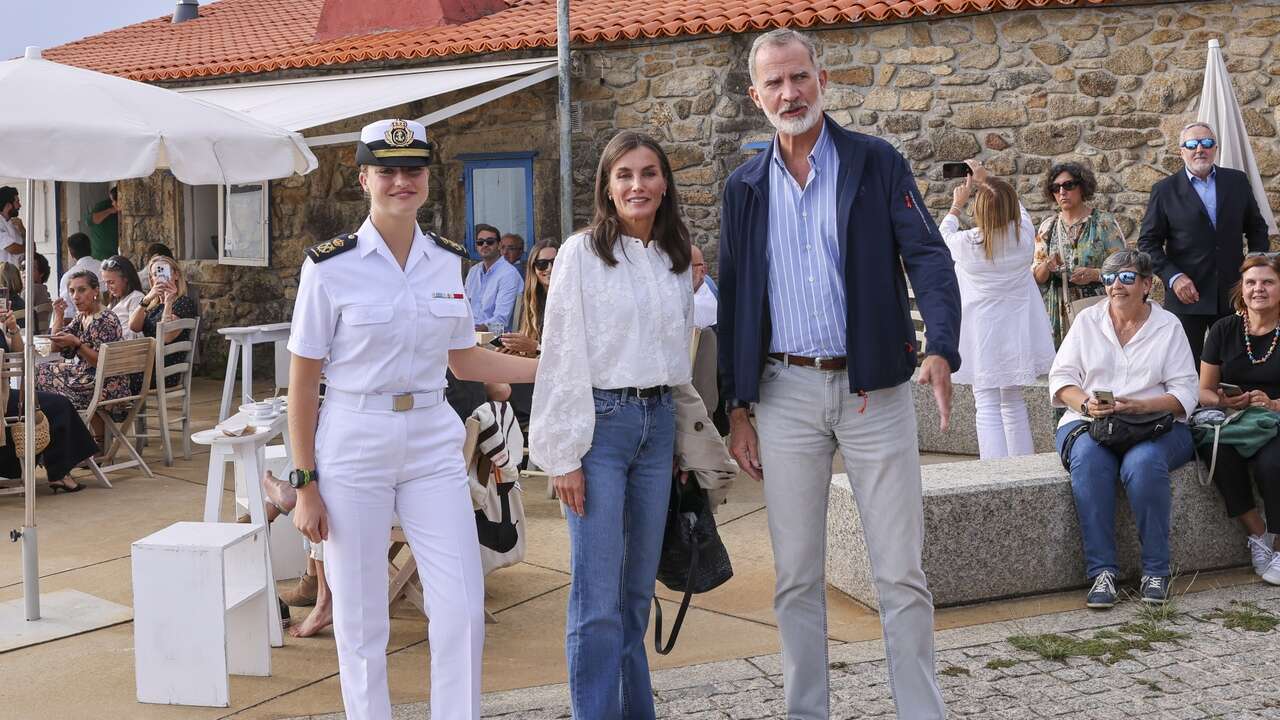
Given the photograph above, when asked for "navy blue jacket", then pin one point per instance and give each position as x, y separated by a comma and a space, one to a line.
882, 228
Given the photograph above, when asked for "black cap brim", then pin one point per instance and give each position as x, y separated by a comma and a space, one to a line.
417, 155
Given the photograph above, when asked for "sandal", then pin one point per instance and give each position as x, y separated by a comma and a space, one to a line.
61, 486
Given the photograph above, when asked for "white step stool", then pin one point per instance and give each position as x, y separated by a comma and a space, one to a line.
201, 611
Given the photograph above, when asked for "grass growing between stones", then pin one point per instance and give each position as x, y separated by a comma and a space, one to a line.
1245, 616
1107, 646
1001, 663
953, 671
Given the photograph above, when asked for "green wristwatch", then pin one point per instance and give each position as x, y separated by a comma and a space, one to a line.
299, 478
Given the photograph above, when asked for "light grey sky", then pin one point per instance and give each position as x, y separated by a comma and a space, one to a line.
47, 23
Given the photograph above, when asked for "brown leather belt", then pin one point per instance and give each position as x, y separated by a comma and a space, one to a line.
821, 363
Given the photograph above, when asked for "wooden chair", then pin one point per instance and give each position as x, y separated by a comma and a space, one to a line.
43, 310
165, 395
10, 367
126, 357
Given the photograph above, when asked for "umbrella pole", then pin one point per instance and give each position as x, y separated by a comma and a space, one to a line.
30, 557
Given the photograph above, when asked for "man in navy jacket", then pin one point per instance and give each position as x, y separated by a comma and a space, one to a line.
816, 334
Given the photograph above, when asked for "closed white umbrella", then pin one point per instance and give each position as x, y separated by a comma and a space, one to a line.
62, 123
1219, 108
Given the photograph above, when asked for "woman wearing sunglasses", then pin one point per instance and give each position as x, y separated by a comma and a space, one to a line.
527, 340
1071, 245
1240, 358
1124, 356
1004, 340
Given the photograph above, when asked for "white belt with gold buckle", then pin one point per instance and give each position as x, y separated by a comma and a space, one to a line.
395, 402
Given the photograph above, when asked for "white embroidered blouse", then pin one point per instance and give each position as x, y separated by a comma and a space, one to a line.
625, 326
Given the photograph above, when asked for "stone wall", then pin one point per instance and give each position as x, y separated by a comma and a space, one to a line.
1109, 86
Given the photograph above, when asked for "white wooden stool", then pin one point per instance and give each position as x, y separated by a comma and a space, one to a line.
242, 340
200, 605
247, 455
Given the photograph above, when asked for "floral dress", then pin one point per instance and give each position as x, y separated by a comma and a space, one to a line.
1085, 243
74, 379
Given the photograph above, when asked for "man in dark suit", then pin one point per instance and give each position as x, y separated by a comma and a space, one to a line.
1192, 231
816, 335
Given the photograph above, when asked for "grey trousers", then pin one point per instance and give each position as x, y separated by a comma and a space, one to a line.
803, 417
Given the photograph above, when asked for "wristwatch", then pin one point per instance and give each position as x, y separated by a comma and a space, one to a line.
299, 478
1084, 408
733, 404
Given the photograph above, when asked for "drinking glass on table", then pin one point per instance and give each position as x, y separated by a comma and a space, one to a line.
497, 327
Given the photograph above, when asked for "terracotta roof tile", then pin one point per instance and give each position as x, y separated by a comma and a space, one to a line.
252, 36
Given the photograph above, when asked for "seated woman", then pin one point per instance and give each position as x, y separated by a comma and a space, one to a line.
79, 339
528, 337
124, 290
69, 440
1138, 352
1240, 350
166, 301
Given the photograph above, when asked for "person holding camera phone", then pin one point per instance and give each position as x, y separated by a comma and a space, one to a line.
382, 312
1071, 244
1240, 368
1137, 353
1005, 338
166, 301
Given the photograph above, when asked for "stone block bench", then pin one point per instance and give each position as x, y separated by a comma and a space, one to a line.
1005, 528
962, 438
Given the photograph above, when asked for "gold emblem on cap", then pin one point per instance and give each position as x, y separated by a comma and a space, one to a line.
399, 135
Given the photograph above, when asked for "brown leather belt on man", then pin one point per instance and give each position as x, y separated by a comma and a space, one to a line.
820, 363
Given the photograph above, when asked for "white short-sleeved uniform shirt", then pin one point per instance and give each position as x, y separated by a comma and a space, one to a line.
382, 329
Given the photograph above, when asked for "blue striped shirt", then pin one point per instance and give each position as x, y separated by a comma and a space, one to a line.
1208, 191
806, 285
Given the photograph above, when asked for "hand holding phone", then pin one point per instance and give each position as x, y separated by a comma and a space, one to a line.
1104, 397
955, 170
1230, 390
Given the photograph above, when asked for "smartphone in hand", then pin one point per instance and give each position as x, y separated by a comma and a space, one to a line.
1230, 390
955, 170
1104, 397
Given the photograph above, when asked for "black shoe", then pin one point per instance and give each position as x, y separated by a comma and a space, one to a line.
1155, 589
57, 487
1103, 593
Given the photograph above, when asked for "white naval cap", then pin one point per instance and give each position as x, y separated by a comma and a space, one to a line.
395, 143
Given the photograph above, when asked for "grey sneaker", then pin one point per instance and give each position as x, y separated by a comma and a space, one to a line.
1261, 552
1154, 589
1103, 593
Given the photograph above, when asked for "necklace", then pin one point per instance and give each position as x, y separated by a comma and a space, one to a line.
1248, 347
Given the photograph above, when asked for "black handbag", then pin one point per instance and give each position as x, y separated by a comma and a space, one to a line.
693, 559
1118, 433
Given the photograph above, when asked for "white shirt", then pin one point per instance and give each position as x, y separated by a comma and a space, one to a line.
705, 306
8, 236
383, 329
124, 309
625, 326
1156, 361
85, 263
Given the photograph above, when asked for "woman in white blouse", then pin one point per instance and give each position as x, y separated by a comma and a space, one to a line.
1005, 339
615, 338
1134, 352
124, 290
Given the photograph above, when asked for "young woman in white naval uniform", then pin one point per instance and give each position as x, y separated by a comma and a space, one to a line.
382, 312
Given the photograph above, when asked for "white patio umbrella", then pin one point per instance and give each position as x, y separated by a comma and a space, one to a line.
63, 123
1219, 108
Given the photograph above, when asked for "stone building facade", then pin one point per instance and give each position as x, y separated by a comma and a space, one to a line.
1110, 86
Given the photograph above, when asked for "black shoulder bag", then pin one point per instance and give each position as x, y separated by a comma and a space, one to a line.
1118, 433
693, 560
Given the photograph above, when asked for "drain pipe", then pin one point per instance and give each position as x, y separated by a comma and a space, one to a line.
186, 10
566, 152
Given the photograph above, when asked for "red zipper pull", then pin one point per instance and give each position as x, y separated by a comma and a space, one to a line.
907, 197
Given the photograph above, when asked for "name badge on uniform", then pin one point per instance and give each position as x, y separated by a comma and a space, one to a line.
448, 296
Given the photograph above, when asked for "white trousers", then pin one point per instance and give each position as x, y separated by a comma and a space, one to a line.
804, 416
372, 464
1003, 427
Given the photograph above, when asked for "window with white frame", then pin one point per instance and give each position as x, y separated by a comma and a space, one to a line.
227, 223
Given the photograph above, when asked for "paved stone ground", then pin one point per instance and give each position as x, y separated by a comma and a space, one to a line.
1211, 672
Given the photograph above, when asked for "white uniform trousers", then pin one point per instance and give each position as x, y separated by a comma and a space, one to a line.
371, 464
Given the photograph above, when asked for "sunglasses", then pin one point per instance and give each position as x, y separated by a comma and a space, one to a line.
1206, 143
1126, 277
1068, 185
486, 241
544, 264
